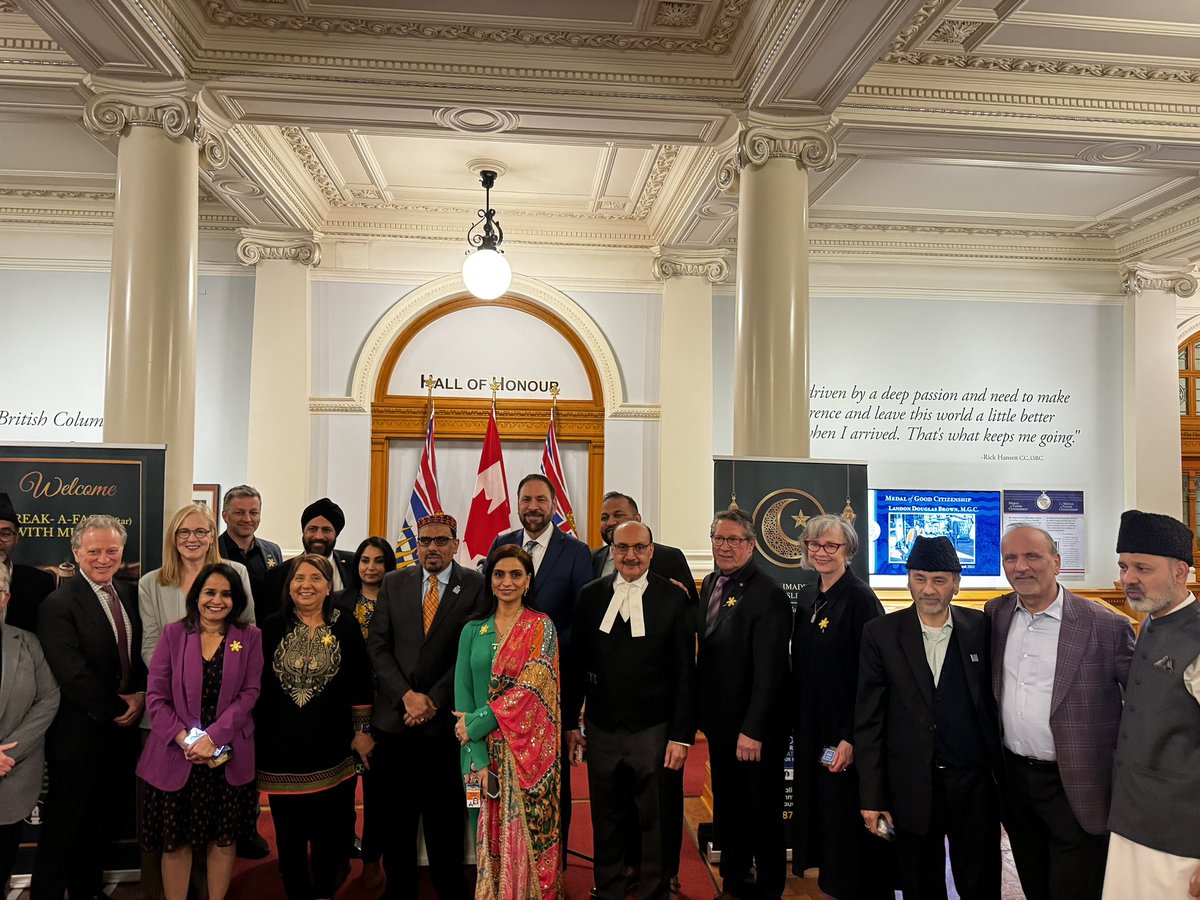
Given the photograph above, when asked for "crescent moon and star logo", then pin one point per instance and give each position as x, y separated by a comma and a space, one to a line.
780, 542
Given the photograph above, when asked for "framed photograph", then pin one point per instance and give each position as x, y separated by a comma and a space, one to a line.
207, 495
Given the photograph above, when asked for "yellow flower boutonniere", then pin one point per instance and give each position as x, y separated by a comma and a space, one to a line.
731, 602
483, 630
235, 647
327, 640
271, 562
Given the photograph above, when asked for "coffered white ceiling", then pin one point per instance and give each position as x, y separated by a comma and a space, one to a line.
1050, 122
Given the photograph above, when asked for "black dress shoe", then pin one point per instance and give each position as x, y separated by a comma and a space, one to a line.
356, 848
253, 847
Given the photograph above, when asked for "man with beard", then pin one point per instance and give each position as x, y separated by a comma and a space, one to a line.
320, 523
1154, 850
562, 565
670, 563
925, 736
413, 644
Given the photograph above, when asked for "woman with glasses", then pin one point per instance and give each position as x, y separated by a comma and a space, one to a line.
506, 700
826, 632
373, 559
189, 544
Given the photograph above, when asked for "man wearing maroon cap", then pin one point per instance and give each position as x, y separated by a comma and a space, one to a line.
413, 644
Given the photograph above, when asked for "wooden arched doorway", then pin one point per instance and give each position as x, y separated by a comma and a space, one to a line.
399, 416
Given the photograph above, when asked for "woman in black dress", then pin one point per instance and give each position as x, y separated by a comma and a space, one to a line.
313, 727
373, 559
198, 763
827, 828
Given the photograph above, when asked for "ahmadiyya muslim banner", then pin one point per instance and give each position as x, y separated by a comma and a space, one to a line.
781, 495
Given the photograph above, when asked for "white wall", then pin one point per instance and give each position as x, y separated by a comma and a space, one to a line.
1068, 348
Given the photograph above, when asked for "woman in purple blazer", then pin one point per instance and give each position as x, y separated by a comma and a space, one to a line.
200, 789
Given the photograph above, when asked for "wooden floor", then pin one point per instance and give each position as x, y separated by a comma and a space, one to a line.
806, 888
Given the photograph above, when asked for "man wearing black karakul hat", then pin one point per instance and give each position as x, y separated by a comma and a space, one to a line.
926, 740
1154, 849
320, 524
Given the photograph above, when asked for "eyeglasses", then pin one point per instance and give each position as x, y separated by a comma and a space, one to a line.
731, 542
199, 534
639, 549
440, 541
830, 547
7, 534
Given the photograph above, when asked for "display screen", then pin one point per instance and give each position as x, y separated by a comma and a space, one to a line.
971, 519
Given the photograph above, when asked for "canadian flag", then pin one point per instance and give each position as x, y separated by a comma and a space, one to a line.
490, 513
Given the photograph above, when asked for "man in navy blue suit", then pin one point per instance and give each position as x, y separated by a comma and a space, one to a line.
562, 564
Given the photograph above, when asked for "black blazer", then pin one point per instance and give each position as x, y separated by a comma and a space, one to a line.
82, 652
629, 682
742, 667
894, 717
565, 568
30, 586
277, 583
667, 562
404, 657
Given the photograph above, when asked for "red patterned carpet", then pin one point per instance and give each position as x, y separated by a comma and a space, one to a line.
260, 879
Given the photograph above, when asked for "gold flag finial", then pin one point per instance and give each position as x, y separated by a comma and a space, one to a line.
494, 384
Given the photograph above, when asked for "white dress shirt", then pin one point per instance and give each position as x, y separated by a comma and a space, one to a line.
1027, 684
538, 553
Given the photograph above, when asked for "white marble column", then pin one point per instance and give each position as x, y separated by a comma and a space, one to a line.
769, 171
150, 380
277, 459
685, 398
1151, 385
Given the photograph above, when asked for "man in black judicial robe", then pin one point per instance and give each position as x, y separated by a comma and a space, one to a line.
632, 662
926, 740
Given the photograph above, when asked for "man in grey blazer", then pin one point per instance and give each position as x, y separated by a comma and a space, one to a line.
1059, 667
28, 702
413, 644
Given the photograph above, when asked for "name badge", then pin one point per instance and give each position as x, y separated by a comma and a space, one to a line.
474, 793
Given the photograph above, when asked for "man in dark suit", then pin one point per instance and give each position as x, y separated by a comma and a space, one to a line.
90, 631
562, 564
241, 510
632, 662
744, 620
925, 736
1059, 667
320, 524
30, 586
670, 563
413, 644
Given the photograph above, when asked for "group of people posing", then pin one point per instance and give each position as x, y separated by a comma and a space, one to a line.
460, 699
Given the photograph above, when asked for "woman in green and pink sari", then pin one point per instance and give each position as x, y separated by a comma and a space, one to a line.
507, 694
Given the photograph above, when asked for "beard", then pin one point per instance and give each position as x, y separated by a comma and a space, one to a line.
1149, 605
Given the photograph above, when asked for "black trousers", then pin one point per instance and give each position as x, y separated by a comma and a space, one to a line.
1056, 859
670, 824
748, 819
625, 767
10, 840
966, 812
88, 804
418, 773
320, 820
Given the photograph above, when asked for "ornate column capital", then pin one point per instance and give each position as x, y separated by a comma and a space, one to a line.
174, 106
807, 141
287, 244
1175, 277
670, 262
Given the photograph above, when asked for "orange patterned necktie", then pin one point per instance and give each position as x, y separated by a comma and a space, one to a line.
430, 607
